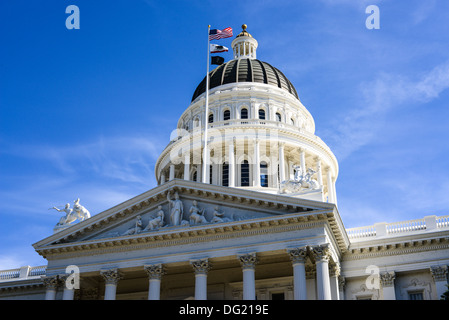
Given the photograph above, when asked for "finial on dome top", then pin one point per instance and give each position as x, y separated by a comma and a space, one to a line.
244, 26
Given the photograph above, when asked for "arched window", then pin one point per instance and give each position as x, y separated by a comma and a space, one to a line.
211, 118
261, 114
264, 174
244, 113
226, 115
244, 174
278, 116
194, 176
196, 122
225, 175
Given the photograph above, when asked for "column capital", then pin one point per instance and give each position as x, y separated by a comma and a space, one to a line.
341, 282
111, 276
155, 271
387, 278
201, 266
439, 273
321, 253
51, 282
248, 260
334, 270
298, 255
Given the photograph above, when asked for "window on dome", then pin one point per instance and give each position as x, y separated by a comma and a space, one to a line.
261, 114
211, 118
244, 113
278, 116
225, 175
264, 174
292, 122
194, 176
244, 174
226, 115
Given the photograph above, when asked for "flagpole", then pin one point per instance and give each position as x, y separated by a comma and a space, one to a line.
206, 112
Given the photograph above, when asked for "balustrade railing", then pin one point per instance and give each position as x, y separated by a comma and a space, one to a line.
22, 273
395, 228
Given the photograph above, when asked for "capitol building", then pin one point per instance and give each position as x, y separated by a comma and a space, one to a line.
246, 208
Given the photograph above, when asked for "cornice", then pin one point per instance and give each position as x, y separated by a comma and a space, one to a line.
396, 247
197, 234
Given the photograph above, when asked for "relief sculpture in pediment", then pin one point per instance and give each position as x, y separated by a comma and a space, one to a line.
175, 216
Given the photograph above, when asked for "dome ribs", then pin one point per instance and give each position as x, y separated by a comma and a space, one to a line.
246, 70
259, 71
216, 77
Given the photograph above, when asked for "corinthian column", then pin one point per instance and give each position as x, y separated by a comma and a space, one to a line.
248, 262
155, 273
187, 166
111, 278
231, 167
256, 171
322, 255
201, 268
281, 162
51, 284
298, 257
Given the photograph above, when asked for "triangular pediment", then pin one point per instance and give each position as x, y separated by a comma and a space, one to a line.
201, 206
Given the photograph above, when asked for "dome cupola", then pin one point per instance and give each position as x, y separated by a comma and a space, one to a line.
244, 45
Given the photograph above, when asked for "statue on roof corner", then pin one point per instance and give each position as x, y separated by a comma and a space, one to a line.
71, 214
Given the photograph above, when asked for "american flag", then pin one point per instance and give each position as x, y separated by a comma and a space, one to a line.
215, 34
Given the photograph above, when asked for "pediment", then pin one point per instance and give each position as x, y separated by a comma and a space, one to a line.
202, 205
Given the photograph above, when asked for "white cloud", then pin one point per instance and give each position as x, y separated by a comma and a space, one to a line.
379, 97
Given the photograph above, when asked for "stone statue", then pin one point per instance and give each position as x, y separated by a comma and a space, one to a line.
156, 222
81, 212
78, 212
308, 182
69, 215
196, 215
218, 216
300, 182
136, 229
176, 209
298, 173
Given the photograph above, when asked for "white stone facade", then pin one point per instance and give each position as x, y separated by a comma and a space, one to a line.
239, 236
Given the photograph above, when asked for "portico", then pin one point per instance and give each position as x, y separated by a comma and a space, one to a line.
243, 249
217, 278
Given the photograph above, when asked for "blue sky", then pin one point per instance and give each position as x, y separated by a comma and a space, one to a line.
85, 113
